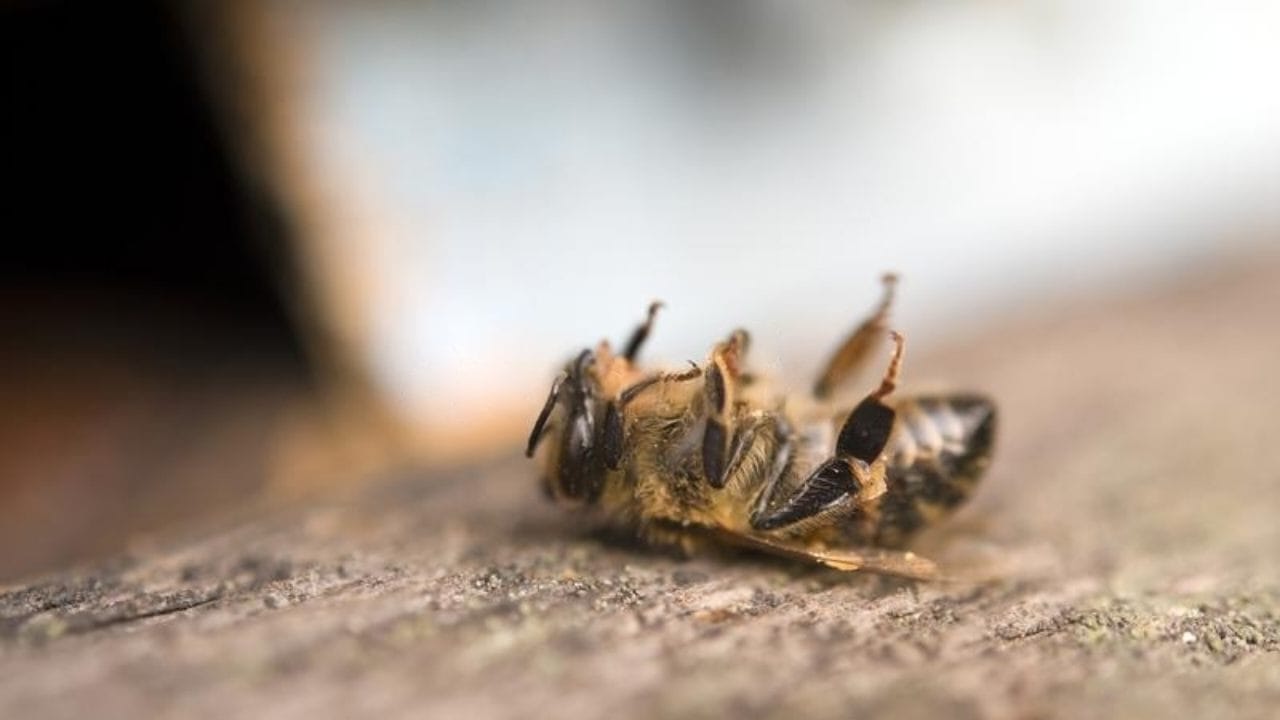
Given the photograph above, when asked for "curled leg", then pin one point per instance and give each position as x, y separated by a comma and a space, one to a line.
867, 430
638, 336
853, 474
720, 388
612, 432
857, 348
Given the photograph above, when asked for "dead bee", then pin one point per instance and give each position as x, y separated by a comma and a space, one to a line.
710, 453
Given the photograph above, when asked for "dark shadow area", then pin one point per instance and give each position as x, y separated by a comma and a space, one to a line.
119, 177
144, 287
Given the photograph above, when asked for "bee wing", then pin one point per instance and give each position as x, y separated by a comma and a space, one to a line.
878, 560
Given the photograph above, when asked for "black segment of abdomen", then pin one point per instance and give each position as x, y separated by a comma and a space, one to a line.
939, 483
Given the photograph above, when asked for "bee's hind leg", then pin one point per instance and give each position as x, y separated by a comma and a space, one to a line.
852, 473
857, 348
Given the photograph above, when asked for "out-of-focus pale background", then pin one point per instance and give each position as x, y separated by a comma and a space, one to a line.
538, 172
286, 245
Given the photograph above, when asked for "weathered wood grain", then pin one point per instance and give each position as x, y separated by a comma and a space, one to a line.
1128, 530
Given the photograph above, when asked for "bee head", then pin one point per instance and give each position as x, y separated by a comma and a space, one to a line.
570, 416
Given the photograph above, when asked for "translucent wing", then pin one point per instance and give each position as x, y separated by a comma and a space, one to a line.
878, 560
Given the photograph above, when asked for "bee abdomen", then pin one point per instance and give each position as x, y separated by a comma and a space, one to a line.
939, 449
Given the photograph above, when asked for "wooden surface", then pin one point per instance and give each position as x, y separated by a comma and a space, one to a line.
1127, 532
126, 413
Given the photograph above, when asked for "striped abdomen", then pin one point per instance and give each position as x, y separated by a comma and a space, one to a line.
940, 446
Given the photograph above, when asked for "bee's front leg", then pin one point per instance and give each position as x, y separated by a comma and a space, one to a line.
721, 379
614, 441
638, 336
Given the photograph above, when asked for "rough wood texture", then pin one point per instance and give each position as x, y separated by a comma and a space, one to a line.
1130, 519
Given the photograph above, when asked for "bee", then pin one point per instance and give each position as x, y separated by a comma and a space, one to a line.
712, 453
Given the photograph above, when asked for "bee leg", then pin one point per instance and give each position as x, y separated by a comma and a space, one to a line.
743, 441
720, 381
611, 430
854, 351
840, 479
612, 439
578, 477
639, 387
540, 425
641, 333
866, 432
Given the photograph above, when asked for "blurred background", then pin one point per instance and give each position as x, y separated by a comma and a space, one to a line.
261, 249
